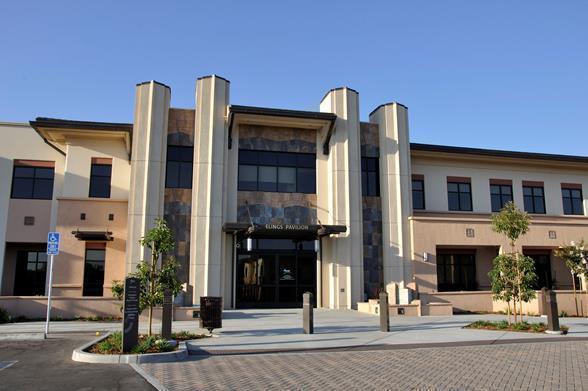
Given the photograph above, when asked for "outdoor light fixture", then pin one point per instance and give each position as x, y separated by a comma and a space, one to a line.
426, 256
249, 244
317, 245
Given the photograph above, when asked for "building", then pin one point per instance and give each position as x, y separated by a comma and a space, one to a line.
269, 203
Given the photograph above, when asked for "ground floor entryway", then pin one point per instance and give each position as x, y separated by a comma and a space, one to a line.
275, 273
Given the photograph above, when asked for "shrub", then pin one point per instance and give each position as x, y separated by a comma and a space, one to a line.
4, 316
503, 324
563, 314
111, 345
186, 335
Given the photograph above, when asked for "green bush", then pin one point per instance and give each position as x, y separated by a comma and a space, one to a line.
186, 335
521, 326
503, 324
563, 314
538, 327
4, 316
110, 345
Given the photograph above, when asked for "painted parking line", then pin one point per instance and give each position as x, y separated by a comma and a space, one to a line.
6, 364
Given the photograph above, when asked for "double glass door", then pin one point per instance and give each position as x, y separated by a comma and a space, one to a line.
275, 279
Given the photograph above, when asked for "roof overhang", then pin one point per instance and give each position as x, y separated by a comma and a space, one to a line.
59, 131
93, 236
312, 120
284, 231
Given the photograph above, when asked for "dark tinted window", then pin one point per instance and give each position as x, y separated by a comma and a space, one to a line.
459, 196
500, 195
31, 270
572, 201
283, 172
178, 173
418, 194
100, 180
32, 182
94, 272
456, 272
370, 176
534, 199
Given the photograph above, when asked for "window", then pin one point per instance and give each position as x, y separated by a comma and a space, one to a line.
94, 272
456, 272
542, 270
32, 182
534, 199
459, 195
572, 200
178, 168
370, 176
418, 193
31, 270
283, 172
500, 194
100, 174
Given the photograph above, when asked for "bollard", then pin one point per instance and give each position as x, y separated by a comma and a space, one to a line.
384, 313
166, 315
307, 316
550, 308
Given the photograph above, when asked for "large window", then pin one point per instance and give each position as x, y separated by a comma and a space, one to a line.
500, 194
418, 193
282, 172
370, 176
542, 269
534, 199
456, 271
459, 195
31, 182
94, 272
100, 174
572, 200
178, 169
31, 270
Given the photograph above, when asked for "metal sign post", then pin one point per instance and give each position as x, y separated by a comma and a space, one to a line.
52, 250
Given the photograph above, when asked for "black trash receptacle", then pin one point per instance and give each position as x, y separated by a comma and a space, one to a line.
211, 312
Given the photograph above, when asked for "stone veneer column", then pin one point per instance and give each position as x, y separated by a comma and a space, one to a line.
208, 250
395, 192
341, 197
146, 191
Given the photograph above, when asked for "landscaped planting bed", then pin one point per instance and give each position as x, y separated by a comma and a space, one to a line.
147, 344
520, 326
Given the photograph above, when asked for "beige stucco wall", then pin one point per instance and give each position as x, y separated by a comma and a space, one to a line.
436, 170
80, 152
430, 230
20, 141
69, 264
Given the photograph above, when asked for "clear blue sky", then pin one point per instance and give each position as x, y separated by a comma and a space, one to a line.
492, 74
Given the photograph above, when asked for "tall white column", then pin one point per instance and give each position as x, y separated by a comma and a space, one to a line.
146, 192
342, 198
395, 191
208, 249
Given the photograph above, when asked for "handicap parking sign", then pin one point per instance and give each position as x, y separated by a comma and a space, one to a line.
53, 243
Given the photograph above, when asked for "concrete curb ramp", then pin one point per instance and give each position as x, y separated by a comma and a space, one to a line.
80, 354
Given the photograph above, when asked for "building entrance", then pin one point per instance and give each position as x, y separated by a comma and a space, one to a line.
275, 273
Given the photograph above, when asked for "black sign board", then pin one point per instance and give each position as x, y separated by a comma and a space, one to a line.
130, 335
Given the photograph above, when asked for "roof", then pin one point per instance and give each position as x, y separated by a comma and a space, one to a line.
282, 112
73, 124
497, 153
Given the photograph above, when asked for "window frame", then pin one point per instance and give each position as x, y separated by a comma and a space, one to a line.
34, 180
181, 164
571, 189
93, 176
38, 284
534, 199
366, 182
458, 269
501, 195
422, 181
93, 289
459, 193
299, 161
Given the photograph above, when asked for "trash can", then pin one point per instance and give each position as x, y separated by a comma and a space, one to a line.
211, 312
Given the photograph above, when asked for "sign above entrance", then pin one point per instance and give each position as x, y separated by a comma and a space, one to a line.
285, 231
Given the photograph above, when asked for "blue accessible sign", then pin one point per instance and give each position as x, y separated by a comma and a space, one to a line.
53, 243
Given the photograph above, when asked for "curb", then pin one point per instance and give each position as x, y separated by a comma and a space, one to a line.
81, 355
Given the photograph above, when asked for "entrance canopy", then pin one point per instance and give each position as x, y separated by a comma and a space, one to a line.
284, 231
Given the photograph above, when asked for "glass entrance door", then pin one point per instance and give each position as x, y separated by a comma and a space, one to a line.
274, 279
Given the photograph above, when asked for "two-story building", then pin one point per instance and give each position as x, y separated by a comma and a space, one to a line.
267, 204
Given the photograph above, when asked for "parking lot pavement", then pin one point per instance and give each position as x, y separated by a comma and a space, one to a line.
525, 366
47, 365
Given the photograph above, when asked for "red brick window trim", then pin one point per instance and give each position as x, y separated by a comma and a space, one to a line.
34, 163
533, 183
459, 179
102, 160
507, 182
577, 186
418, 177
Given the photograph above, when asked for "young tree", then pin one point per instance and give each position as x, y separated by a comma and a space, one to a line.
154, 280
515, 273
574, 255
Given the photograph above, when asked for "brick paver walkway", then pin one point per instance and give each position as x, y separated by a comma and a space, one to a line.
527, 366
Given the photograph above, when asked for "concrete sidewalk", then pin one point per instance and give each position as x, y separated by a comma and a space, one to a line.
281, 330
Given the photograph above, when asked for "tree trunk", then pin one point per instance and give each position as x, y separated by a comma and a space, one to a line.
152, 286
508, 311
575, 297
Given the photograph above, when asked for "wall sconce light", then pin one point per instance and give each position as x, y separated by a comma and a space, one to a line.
426, 256
552, 235
317, 245
470, 233
249, 243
